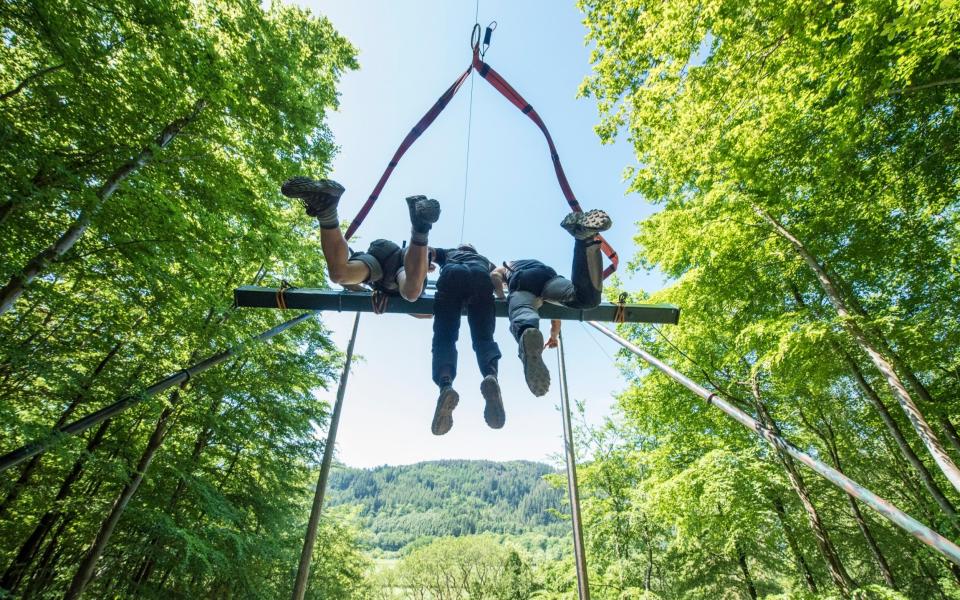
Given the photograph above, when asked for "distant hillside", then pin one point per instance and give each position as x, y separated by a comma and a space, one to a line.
451, 497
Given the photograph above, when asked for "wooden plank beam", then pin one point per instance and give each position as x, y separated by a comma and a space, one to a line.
319, 299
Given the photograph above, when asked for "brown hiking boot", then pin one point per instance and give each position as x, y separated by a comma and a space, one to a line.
317, 195
443, 415
493, 412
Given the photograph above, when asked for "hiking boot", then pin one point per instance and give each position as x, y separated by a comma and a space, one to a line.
443, 415
424, 212
586, 225
493, 412
318, 195
531, 355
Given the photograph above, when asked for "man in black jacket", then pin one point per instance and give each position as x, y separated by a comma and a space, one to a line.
384, 266
464, 281
531, 283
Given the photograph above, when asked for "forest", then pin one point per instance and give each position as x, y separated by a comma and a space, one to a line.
804, 160
401, 505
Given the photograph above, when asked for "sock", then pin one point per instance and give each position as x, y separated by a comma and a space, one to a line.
328, 218
419, 238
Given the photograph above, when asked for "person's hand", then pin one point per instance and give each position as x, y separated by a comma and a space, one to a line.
497, 279
554, 339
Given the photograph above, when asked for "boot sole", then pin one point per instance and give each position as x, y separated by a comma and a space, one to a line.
534, 369
443, 415
425, 210
587, 224
493, 412
304, 188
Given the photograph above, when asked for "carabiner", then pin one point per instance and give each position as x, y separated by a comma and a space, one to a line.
475, 37
486, 37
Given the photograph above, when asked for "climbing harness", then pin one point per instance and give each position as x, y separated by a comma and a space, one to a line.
506, 90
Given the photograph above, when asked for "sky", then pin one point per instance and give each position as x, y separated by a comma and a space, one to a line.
409, 53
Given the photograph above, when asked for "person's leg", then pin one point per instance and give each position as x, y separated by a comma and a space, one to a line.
447, 305
446, 330
481, 315
340, 267
586, 289
424, 212
522, 308
320, 198
587, 274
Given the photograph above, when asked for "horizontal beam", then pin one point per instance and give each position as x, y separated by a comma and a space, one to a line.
317, 299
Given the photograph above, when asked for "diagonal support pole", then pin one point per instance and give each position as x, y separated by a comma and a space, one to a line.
303, 570
884, 507
15, 457
583, 587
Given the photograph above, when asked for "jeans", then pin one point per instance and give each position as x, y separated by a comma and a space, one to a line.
460, 285
539, 284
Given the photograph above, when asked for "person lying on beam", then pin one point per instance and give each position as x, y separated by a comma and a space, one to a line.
464, 280
384, 266
531, 283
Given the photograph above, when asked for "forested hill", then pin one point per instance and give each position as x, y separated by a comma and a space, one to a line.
450, 497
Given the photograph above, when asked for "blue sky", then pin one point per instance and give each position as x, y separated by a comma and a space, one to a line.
410, 52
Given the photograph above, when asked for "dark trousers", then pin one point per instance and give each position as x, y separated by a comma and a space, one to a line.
460, 285
532, 286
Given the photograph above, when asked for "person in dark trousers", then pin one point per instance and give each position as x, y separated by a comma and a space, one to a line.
464, 280
385, 266
531, 283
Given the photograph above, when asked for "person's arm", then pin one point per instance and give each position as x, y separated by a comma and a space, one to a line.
497, 276
554, 339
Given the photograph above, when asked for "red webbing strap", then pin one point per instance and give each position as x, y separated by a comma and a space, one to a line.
408, 141
500, 84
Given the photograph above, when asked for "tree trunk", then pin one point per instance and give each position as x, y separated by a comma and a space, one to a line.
794, 546
28, 550
39, 263
748, 580
85, 571
830, 440
908, 454
950, 432
838, 573
147, 565
44, 570
34, 463
872, 349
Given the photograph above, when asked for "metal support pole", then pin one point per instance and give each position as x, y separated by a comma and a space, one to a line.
583, 587
303, 570
14, 458
892, 513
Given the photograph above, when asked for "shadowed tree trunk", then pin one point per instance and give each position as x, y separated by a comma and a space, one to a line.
794, 546
147, 565
747, 579
28, 550
828, 437
85, 571
30, 468
838, 573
